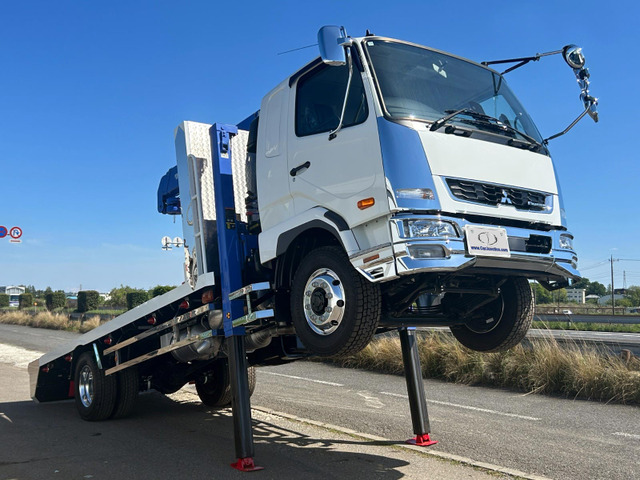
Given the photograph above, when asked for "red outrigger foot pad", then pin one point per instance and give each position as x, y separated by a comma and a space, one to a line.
421, 441
246, 465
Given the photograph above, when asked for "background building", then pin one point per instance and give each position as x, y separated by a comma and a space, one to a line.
576, 295
14, 294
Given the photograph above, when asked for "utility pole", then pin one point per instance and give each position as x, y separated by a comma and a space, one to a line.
613, 299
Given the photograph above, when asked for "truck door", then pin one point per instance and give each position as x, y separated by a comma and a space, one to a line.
336, 173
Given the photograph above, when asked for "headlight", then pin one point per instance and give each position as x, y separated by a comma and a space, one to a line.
566, 242
429, 228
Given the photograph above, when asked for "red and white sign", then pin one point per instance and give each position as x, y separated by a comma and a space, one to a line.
15, 232
3, 231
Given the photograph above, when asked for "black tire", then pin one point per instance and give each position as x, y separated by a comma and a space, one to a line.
512, 312
325, 326
128, 383
215, 389
95, 393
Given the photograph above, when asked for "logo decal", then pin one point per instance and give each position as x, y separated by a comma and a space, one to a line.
505, 198
487, 238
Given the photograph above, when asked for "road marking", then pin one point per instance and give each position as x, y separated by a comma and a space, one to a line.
17, 356
333, 384
628, 435
467, 407
370, 400
4, 417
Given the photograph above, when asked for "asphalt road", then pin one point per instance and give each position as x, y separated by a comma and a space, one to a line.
553, 437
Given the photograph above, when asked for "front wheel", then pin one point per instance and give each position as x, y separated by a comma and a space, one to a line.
505, 322
334, 309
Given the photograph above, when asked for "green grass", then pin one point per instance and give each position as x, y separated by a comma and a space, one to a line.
591, 327
106, 312
569, 371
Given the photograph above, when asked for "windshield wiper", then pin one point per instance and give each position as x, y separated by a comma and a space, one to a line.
485, 120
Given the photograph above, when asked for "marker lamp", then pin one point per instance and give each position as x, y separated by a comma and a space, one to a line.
429, 228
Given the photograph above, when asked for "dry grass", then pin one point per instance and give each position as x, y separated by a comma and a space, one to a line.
49, 320
570, 371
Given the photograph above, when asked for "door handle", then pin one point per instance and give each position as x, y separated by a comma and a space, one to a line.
294, 171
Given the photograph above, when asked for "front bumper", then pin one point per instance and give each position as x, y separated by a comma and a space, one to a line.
555, 265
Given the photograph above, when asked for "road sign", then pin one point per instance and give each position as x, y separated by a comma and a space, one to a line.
166, 241
3, 231
178, 242
15, 232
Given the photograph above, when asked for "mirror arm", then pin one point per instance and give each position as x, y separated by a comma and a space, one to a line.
334, 133
586, 110
522, 61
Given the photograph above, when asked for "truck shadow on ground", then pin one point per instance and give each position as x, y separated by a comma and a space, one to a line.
170, 437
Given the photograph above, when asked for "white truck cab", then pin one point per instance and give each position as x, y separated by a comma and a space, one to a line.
424, 173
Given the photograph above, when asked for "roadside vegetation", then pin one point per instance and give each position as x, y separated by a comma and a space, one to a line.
590, 327
568, 371
53, 321
572, 371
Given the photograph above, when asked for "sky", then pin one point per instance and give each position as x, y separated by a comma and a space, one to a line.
91, 92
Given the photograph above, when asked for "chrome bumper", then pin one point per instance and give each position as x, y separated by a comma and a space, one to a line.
554, 265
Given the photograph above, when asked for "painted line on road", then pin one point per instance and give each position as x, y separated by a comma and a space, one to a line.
333, 384
467, 407
421, 450
628, 435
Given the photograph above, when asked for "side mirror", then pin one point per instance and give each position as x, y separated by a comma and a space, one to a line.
331, 41
573, 56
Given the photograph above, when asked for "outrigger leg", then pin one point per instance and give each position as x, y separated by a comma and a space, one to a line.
415, 388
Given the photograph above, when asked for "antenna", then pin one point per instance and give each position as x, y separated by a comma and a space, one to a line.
299, 48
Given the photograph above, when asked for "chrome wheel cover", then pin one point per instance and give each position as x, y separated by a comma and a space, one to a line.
85, 386
324, 301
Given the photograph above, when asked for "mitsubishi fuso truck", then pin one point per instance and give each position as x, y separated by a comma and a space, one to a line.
384, 185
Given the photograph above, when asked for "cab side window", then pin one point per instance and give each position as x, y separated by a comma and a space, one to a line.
319, 98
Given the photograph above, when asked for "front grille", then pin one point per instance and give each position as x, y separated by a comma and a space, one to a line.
489, 194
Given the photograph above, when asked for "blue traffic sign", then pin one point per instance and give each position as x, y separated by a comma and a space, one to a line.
3, 231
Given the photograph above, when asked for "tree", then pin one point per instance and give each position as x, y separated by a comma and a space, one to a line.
135, 298
633, 294
55, 300
4, 300
160, 290
118, 296
88, 300
542, 295
596, 288
25, 300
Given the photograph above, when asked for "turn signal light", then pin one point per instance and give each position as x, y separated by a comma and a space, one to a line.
366, 203
207, 296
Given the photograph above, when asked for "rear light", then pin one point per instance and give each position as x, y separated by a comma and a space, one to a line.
108, 341
45, 369
68, 357
207, 296
184, 305
152, 320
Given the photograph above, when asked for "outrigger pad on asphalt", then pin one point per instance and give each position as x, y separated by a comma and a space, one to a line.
246, 465
422, 441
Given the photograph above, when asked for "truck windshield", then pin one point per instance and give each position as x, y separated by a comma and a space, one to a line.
420, 84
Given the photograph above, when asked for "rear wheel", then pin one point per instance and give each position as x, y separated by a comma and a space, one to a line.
504, 322
95, 393
128, 383
214, 389
334, 309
